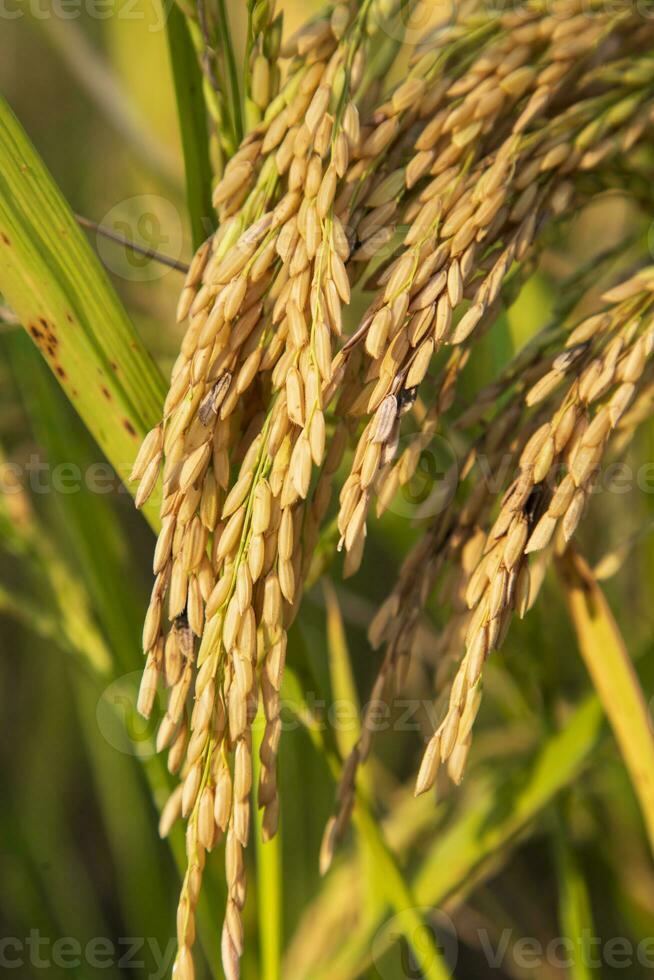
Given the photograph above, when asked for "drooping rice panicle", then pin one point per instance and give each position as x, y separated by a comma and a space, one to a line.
557, 452
435, 195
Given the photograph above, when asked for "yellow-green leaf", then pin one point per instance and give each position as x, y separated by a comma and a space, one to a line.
61, 294
342, 677
613, 675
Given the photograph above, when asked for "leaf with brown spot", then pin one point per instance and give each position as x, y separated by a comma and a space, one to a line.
59, 290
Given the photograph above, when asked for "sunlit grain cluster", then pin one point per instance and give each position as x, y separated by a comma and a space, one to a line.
424, 204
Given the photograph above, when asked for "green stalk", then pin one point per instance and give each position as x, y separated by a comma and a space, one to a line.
232, 71
270, 902
191, 112
575, 914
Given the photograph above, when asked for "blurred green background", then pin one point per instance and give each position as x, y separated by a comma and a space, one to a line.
81, 866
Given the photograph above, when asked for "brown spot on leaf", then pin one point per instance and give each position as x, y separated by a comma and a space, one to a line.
106, 393
130, 428
5, 239
60, 371
44, 336
49, 332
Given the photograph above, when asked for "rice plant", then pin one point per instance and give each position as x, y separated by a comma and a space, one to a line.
371, 198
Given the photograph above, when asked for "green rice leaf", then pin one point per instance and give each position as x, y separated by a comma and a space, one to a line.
575, 914
58, 289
